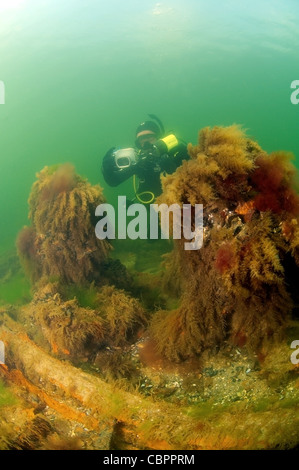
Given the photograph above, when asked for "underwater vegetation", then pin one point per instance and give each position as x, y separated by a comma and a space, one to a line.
235, 287
60, 241
67, 265
232, 404
67, 329
194, 354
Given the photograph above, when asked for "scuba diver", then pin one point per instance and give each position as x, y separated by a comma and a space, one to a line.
155, 153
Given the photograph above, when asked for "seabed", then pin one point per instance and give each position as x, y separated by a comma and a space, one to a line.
226, 399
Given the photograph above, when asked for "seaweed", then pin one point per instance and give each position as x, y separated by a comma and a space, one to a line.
235, 287
123, 315
77, 332
60, 241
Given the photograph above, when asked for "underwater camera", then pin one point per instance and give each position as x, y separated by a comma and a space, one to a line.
125, 157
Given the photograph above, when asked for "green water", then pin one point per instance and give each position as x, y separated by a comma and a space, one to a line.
81, 75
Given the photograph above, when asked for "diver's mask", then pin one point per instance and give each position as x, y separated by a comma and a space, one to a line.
124, 158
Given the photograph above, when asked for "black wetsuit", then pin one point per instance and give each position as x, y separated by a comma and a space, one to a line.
148, 169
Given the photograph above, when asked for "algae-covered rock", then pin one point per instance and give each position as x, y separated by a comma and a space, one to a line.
229, 403
60, 242
236, 287
79, 332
